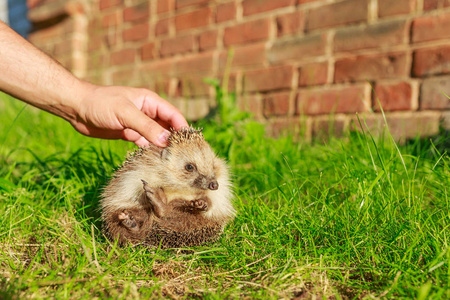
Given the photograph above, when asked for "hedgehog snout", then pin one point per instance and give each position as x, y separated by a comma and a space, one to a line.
213, 185
206, 183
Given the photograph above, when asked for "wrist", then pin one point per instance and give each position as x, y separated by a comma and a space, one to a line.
70, 103
82, 91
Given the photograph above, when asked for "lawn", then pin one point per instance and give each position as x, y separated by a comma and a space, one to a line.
356, 217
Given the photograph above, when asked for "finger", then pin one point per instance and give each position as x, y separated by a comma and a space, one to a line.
158, 108
130, 135
135, 137
142, 142
133, 118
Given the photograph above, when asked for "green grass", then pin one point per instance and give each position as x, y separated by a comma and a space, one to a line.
358, 217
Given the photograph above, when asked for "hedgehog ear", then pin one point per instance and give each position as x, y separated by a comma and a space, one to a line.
165, 153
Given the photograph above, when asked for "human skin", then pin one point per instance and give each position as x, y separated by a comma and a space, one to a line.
109, 112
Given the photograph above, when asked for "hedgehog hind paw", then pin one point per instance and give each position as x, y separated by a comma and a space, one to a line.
127, 220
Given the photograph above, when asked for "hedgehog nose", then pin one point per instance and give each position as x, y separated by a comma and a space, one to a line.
213, 185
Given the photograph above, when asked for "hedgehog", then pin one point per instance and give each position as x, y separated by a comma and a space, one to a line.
177, 196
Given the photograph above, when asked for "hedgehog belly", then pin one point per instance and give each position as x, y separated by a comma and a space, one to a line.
177, 230
165, 237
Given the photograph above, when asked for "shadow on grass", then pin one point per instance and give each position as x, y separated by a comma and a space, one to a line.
7, 290
430, 146
75, 179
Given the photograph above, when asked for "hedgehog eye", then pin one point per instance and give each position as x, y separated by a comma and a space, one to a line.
189, 168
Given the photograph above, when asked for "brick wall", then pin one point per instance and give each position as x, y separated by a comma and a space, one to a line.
294, 62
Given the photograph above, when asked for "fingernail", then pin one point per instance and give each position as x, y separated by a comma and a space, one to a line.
163, 137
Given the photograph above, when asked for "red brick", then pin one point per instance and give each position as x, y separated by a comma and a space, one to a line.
257, 6
313, 74
179, 44
297, 48
147, 51
273, 78
194, 19
445, 119
247, 32
431, 28
247, 55
161, 86
413, 126
290, 23
198, 63
295, 127
323, 128
340, 13
431, 93
110, 20
276, 104
229, 82
371, 67
431, 61
123, 77
121, 57
164, 6
392, 96
403, 126
430, 4
207, 40
225, 12
380, 35
95, 43
388, 8
162, 27
94, 25
332, 100
192, 86
136, 33
186, 3
136, 13
251, 103
104, 4
197, 109
157, 69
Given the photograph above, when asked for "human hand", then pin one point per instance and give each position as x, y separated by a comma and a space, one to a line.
132, 114
113, 112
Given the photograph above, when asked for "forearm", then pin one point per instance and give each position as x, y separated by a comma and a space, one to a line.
30, 75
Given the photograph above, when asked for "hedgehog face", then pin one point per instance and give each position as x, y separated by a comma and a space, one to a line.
191, 165
190, 161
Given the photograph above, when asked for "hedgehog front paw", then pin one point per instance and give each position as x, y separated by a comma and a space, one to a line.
199, 204
127, 220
